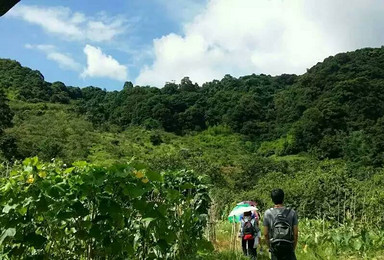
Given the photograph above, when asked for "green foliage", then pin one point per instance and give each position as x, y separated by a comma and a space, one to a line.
278, 147
318, 239
320, 110
5, 113
92, 212
321, 240
248, 135
29, 85
50, 131
237, 173
6, 116
332, 100
332, 189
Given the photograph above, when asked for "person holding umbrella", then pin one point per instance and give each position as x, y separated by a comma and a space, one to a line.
255, 213
246, 213
250, 235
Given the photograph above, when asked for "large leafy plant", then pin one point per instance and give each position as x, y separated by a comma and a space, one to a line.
91, 212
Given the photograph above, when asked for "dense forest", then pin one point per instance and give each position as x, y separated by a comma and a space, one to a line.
335, 110
320, 135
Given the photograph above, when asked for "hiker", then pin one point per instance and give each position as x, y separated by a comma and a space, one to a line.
250, 235
281, 228
254, 215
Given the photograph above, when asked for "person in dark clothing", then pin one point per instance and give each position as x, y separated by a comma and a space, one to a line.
281, 228
250, 235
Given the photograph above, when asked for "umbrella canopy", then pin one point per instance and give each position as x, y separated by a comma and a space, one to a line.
249, 202
238, 211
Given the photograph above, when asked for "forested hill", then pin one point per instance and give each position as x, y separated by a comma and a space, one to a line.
334, 110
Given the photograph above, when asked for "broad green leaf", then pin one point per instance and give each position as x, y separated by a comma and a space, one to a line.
95, 232
147, 221
357, 244
7, 208
6, 187
114, 207
162, 209
171, 237
103, 204
42, 204
31, 161
140, 205
187, 185
23, 211
10, 232
121, 171
80, 164
154, 176
69, 170
81, 234
173, 194
37, 241
109, 188
133, 191
27, 161
28, 169
79, 209
139, 166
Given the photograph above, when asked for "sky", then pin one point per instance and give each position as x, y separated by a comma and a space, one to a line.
149, 42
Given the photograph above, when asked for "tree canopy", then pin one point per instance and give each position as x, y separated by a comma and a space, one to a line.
323, 111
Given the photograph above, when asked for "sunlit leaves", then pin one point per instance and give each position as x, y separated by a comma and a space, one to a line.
10, 232
325, 239
120, 212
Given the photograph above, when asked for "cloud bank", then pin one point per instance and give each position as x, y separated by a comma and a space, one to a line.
70, 25
264, 36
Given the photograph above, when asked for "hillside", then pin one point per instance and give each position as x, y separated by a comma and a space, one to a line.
318, 135
335, 110
236, 130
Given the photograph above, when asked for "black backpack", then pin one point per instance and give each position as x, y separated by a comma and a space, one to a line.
282, 232
250, 228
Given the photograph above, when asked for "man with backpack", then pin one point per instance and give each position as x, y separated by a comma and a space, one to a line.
250, 235
281, 228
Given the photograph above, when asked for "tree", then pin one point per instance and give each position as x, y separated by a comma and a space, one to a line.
187, 85
5, 113
170, 88
128, 85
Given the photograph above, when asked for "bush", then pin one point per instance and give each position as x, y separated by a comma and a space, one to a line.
87, 211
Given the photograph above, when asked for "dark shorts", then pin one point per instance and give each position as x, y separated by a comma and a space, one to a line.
286, 252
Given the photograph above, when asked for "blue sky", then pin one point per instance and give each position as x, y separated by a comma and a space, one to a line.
104, 43
141, 23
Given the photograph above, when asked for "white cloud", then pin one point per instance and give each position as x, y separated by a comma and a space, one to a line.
41, 47
101, 65
263, 36
71, 25
65, 61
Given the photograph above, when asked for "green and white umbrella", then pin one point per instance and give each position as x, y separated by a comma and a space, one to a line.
238, 211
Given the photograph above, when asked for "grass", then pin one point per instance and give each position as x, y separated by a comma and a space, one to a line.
349, 241
224, 249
